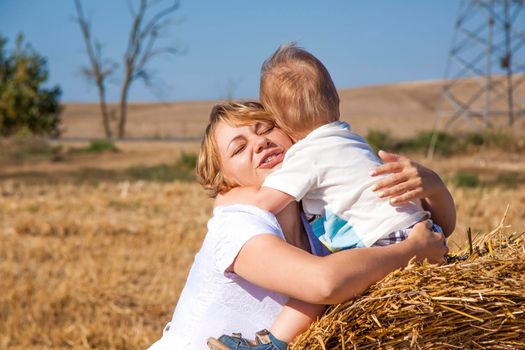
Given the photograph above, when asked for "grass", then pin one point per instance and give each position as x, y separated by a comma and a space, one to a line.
153, 173
99, 146
468, 179
22, 149
448, 144
102, 265
465, 179
27, 149
159, 173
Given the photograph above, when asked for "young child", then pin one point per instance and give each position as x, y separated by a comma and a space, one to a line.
329, 169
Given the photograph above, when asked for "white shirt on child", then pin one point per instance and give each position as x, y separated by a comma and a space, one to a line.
215, 302
329, 170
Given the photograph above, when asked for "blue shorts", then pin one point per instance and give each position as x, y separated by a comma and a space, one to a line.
401, 235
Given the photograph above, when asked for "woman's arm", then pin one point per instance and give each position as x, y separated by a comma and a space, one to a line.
271, 263
411, 180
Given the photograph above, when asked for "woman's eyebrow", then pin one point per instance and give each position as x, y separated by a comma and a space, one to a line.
235, 139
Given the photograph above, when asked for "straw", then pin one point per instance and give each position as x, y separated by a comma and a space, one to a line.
476, 301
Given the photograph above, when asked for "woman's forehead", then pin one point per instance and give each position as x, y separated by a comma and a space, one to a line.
226, 133
228, 127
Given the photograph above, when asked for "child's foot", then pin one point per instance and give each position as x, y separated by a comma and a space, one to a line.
264, 340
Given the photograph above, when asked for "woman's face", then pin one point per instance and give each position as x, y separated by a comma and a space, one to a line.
249, 153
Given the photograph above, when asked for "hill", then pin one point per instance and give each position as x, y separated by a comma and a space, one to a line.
402, 109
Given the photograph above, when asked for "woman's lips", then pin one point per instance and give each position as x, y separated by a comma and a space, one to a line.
274, 158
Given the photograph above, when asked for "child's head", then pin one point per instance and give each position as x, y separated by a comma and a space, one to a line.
298, 91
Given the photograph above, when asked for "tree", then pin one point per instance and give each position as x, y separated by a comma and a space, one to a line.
25, 105
142, 47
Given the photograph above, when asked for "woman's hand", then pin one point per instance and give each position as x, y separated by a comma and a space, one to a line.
428, 244
409, 180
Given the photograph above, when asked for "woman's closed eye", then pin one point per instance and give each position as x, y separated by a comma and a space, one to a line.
238, 149
263, 129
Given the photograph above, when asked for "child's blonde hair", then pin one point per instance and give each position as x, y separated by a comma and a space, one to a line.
298, 91
235, 114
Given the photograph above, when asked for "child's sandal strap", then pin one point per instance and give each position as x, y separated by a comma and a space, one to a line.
263, 337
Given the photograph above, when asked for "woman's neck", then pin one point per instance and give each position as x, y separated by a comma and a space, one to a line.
290, 220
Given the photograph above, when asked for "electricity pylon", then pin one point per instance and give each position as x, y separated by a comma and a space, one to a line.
486, 63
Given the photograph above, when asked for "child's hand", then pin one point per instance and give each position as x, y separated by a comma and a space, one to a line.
265, 198
409, 180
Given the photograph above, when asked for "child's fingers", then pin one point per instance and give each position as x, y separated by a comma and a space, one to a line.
387, 168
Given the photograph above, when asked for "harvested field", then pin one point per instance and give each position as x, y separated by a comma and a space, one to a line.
101, 265
94, 266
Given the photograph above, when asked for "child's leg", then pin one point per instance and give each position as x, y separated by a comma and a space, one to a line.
295, 318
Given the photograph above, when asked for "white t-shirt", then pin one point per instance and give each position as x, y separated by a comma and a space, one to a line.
215, 302
329, 170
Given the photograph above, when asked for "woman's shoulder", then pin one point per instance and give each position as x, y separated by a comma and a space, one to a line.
232, 226
248, 219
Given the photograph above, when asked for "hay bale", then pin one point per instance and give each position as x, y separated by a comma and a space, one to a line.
476, 301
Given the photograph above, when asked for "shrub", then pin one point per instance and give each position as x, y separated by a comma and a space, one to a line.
26, 107
186, 162
446, 144
380, 140
99, 146
475, 138
468, 180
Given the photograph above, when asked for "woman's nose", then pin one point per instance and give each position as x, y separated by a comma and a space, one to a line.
261, 144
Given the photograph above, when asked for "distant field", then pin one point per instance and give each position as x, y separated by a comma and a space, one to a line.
402, 109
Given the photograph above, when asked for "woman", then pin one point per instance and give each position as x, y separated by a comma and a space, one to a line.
250, 263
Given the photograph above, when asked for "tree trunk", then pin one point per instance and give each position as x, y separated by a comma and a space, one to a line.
123, 108
104, 110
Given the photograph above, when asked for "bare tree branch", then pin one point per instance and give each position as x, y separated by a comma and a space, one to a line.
96, 73
141, 49
131, 10
159, 16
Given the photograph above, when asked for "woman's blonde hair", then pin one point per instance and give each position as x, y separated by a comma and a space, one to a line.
235, 114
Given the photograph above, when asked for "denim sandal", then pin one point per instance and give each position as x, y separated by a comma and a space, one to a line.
264, 340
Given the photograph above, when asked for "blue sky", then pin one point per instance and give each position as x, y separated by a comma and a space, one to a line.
361, 42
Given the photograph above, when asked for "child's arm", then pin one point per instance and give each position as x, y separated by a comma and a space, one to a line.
409, 181
265, 198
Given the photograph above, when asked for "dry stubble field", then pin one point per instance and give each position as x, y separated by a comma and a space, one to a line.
100, 264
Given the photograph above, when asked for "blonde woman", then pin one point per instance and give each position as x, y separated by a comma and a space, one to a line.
252, 263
